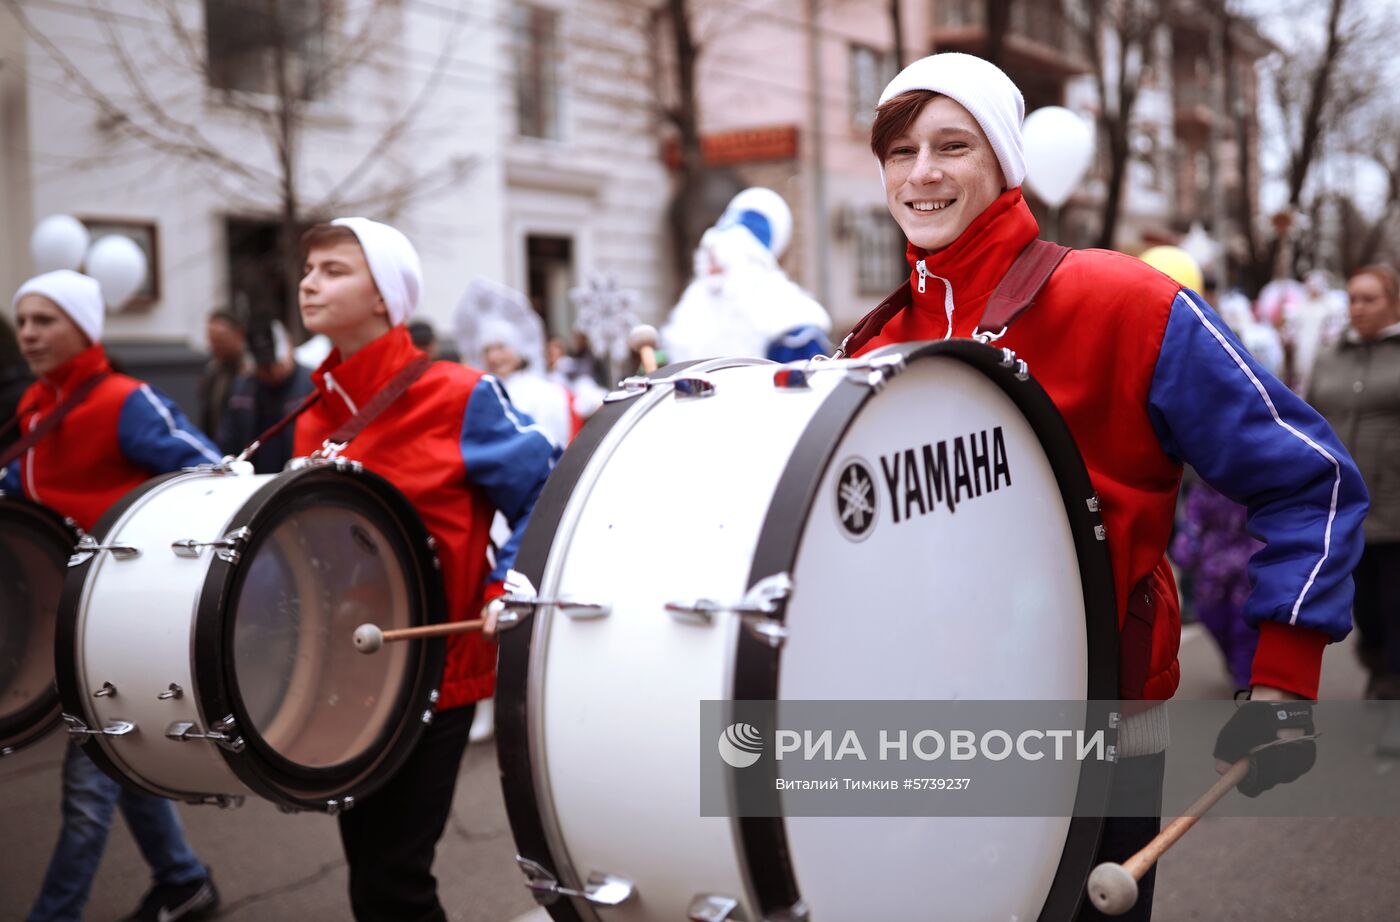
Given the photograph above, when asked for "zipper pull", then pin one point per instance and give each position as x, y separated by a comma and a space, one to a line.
923, 274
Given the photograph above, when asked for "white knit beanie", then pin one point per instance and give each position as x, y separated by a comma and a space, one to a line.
393, 262
78, 295
982, 89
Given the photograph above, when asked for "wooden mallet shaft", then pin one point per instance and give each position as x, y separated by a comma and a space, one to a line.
369, 638
1113, 887
643, 340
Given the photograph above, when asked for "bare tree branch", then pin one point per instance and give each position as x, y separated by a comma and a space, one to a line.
188, 143
396, 130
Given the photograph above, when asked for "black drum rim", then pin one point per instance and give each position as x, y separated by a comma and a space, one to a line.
37, 719
256, 764
66, 640
763, 840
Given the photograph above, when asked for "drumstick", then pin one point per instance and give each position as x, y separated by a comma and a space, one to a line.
369, 637
1113, 887
642, 340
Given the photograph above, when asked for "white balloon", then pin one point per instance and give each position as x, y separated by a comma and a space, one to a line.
58, 242
1059, 149
119, 266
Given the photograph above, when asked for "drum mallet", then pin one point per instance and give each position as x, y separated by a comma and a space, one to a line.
369, 637
1113, 888
642, 340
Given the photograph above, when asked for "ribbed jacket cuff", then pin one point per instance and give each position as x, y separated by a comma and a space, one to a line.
1289, 657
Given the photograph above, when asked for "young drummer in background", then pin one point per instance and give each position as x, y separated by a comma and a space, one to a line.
456, 447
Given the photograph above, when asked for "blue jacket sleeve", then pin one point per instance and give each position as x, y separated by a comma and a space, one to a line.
155, 435
509, 457
799, 344
1258, 443
9, 479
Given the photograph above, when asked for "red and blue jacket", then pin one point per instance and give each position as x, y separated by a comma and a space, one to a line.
457, 448
122, 434
1148, 377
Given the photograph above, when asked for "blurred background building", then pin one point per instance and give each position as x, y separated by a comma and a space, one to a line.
544, 143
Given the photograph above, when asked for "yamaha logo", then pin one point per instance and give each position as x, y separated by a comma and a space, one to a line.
857, 502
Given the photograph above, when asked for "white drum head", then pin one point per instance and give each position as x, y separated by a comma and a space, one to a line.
938, 564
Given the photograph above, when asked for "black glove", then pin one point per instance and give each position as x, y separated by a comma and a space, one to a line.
1258, 722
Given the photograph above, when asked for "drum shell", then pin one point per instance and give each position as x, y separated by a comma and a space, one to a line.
682, 664
745, 860
136, 631
180, 607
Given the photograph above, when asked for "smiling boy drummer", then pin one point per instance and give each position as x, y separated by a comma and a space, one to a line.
454, 445
1147, 377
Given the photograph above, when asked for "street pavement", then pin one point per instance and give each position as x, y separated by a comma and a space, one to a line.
273, 867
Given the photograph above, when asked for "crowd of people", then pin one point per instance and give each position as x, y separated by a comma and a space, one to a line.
1272, 528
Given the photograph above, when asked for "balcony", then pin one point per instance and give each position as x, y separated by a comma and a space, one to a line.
1037, 42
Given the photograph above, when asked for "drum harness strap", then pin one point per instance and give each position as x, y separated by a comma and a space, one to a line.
336, 442
1014, 294
48, 423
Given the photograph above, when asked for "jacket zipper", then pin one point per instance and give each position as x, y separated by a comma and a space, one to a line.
923, 274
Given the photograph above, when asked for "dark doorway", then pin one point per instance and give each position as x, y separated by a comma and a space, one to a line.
549, 274
256, 286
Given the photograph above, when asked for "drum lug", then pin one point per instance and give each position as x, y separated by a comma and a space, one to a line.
108, 690
229, 545
174, 691
600, 889
1093, 503
521, 599
337, 807
759, 603
686, 388
708, 907
224, 733
1009, 360
222, 801
797, 912
1100, 533
83, 733
875, 373
88, 548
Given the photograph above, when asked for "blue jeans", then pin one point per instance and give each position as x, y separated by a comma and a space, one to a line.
89, 798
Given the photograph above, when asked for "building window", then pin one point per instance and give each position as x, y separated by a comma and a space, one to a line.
880, 263
537, 72
870, 69
245, 42
959, 13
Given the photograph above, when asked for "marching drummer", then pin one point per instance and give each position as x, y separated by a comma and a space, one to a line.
1148, 378
89, 436
456, 447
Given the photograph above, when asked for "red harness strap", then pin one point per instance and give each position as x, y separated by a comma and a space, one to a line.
356, 424
48, 423
1013, 295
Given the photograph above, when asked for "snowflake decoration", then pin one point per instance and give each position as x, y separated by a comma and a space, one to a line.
605, 314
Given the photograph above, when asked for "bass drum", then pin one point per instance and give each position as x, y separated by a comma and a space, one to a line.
34, 546
205, 639
728, 480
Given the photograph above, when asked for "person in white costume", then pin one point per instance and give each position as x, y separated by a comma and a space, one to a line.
1315, 324
741, 302
499, 332
1262, 340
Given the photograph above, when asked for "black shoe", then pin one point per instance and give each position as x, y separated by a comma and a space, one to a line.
194, 900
